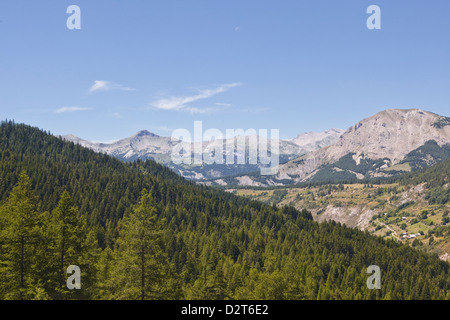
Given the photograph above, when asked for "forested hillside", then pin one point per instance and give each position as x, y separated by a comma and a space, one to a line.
437, 179
103, 187
437, 175
137, 231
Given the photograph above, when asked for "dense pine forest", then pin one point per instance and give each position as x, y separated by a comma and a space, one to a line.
139, 231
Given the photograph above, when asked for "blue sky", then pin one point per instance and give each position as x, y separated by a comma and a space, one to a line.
291, 65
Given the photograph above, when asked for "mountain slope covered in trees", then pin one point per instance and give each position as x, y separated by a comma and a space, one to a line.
138, 231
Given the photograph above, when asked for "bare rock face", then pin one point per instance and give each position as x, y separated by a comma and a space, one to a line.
389, 134
353, 217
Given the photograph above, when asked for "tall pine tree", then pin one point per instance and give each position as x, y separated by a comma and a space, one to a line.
141, 269
70, 243
19, 239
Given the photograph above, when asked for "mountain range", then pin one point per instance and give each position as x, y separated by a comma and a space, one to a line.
146, 145
389, 143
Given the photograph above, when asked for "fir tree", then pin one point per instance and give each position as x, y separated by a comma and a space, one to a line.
141, 270
19, 239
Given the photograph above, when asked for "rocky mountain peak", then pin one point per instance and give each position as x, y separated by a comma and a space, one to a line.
145, 133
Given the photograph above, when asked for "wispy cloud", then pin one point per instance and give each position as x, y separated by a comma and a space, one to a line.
237, 28
182, 103
71, 109
100, 85
195, 110
223, 104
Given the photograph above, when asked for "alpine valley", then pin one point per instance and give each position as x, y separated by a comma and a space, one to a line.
360, 177
376, 194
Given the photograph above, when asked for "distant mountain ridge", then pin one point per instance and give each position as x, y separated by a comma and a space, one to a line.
136, 146
147, 145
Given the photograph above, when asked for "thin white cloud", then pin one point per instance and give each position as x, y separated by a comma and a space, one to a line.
223, 104
182, 103
101, 85
237, 28
219, 107
71, 109
195, 110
